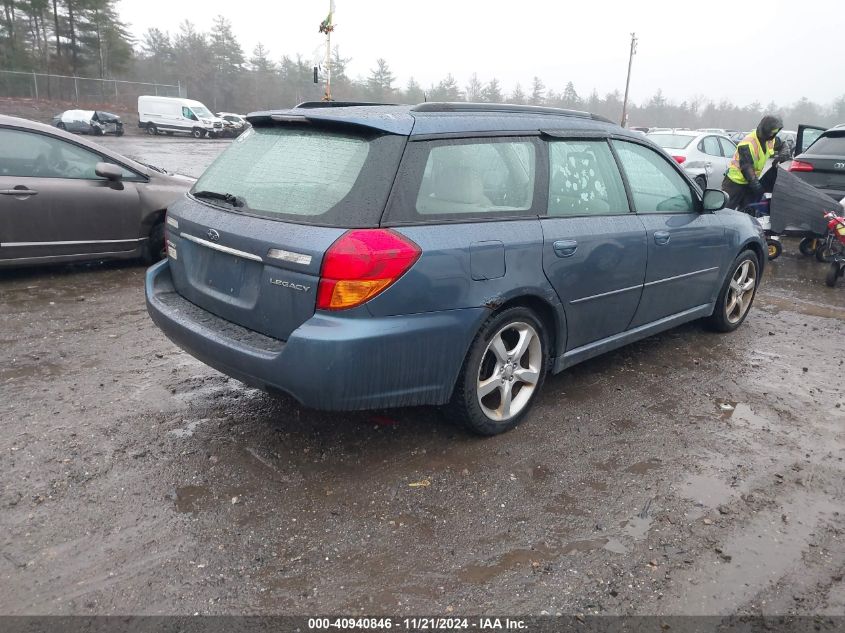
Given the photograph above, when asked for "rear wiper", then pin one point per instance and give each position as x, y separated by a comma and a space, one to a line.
232, 200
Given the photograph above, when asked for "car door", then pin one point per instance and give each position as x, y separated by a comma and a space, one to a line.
594, 247
685, 245
713, 161
728, 151
53, 204
807, 135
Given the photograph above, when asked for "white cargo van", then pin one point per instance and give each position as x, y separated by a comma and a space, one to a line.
172, 115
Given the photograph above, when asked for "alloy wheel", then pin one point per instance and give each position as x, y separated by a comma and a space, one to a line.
741, 291
509, 371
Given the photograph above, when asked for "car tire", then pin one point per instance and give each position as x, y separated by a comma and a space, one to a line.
726, 317
807, 246
197, 132
833, 273
775, 248
96, 131
154, 249
701, 181
152, 130
502, 374
61, 126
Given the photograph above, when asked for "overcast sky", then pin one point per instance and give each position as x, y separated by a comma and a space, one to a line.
743, 51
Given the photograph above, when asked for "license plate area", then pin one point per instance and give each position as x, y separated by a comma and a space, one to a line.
224, 277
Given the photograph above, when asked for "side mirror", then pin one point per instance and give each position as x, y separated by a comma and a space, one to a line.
109, 171
714, 200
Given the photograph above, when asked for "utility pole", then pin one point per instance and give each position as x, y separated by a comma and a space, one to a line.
327, 26
628, 80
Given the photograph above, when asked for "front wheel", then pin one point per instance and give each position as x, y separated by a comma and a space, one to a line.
198, 132
775, 248
502, 373
737, 294
834, 272
826, 249
152, 130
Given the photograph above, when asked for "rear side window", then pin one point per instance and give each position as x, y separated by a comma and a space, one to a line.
828, 146
308, 175
466, 178
584, 179
710, 145
671, 141
655, 185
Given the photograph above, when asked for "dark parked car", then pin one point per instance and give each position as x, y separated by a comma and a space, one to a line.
94, 122
361, 257
820, 158
63, 198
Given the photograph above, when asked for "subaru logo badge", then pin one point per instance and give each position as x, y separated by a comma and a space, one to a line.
213, 235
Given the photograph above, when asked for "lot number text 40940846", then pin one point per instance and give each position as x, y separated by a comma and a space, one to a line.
418, 624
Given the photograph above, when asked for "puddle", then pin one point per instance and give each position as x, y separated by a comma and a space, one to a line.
642, 468
637, 527
29, 370
707, 490
187, 430
190, 498
759, 554
774, 304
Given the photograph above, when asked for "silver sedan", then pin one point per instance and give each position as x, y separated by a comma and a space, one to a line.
703, 155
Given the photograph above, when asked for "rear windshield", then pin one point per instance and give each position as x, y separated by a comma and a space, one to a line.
833, 145
671, 141
307, 175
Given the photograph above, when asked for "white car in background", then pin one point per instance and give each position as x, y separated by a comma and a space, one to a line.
703, 155
233, 124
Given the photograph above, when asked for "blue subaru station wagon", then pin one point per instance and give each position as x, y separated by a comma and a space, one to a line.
365, 256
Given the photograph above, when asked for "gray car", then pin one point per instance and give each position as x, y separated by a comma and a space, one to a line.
704, 155
63, 198
380, 256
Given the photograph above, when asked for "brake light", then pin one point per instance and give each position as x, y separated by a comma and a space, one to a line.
680, 159
800, 165
361, 264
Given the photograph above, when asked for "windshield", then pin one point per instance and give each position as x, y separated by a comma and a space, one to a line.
671, 141
307, 175
201, 111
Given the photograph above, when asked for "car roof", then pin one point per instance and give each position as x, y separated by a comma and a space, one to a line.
34, 126
446, 118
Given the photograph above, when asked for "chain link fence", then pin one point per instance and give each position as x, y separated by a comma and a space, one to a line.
81, 90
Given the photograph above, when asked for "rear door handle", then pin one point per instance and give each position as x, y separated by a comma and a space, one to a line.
18, 191
661, 237
565, 248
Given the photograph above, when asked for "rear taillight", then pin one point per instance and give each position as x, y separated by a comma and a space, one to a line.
680, 159
800, 165
361, 264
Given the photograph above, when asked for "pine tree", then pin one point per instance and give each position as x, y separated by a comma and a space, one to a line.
492, 92
517, 96
538, 92
380, 82
413, 93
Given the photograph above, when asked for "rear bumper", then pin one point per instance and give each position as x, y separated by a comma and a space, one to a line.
330, 362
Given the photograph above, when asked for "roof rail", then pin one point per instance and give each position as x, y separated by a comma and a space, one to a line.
494, 108
339, 104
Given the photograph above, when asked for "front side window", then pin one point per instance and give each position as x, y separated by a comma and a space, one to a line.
186, 113
728, 147
490, 178
33, 155
584, 179
656, 187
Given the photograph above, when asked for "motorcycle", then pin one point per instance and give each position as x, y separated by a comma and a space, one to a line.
835, 246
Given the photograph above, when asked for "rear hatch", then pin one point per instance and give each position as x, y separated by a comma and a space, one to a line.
823, 164
247, 243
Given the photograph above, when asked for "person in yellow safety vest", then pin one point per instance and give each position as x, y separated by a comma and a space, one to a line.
742, 181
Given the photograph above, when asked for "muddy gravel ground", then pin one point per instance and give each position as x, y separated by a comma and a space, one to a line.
690, 473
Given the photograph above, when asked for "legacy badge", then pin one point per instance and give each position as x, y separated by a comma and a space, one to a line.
289, 284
